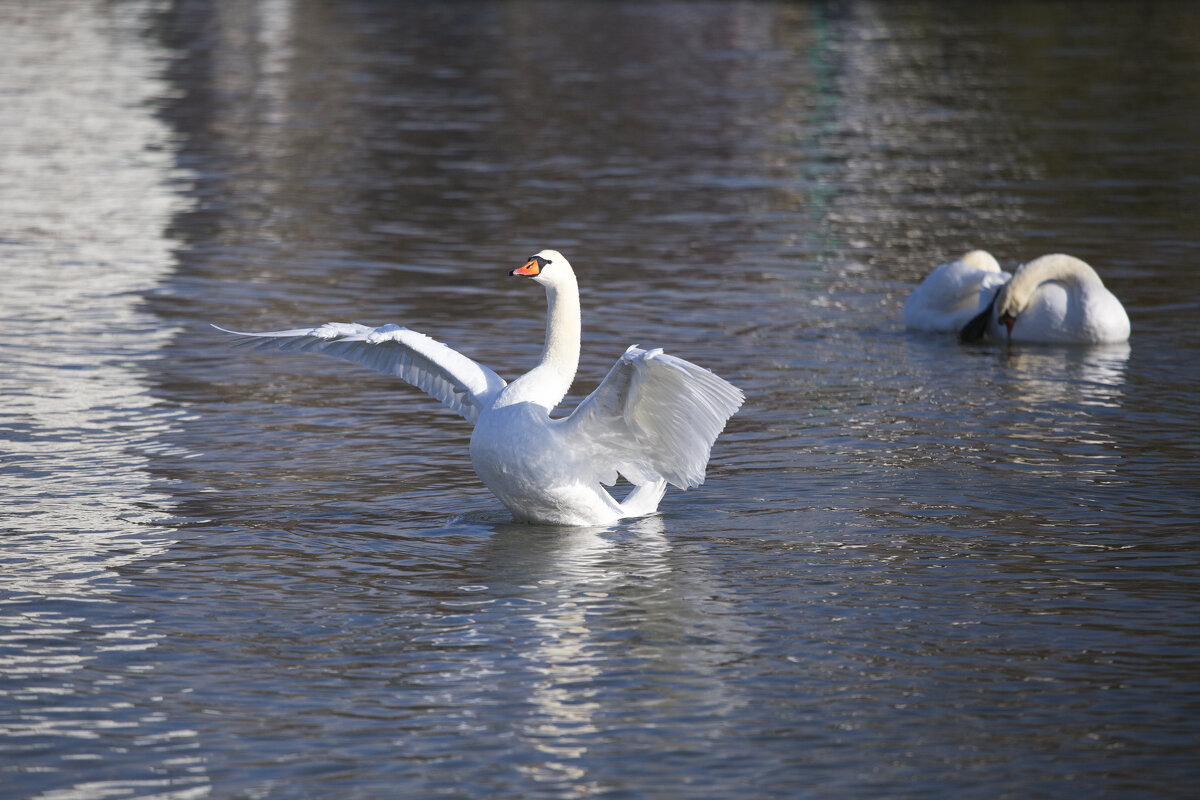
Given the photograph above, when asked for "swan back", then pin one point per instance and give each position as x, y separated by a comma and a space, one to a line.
981, 260
953, 293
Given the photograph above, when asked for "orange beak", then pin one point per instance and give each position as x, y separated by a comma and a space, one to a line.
528, 269
1008, 321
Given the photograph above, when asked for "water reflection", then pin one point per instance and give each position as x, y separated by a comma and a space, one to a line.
623, 626
1090, 376
563, 660
915, 562
90, 187
918, 114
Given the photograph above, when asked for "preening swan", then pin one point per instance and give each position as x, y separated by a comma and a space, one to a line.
1055, 299
953, 294
653, 419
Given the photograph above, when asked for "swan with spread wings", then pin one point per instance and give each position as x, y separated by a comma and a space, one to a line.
653, 419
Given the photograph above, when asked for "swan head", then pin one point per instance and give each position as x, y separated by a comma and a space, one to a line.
1008, 306
1014, 296
549, 267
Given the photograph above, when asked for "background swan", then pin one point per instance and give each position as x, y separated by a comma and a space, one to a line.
653, 419
954, 293
1054, 299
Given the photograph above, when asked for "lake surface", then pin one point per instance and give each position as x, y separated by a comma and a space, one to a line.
917, 569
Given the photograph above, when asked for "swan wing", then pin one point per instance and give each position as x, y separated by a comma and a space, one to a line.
655, 417
462, 385
951, 296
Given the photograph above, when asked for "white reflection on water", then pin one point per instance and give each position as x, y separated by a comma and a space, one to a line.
252, 58
90, 187
564, 691
1088, 375
612, 616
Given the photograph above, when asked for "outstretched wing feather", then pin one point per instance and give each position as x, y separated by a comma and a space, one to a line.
462, 385
657, 416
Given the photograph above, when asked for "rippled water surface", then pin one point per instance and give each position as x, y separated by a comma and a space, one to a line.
917, 569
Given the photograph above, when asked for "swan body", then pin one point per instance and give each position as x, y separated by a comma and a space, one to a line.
1054, 299
954, 293
653, 419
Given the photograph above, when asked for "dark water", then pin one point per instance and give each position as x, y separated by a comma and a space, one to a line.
916, 570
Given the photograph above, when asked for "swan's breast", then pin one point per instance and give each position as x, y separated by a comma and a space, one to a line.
524, 458
519, 450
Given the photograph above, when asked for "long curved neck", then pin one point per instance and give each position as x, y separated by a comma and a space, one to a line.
548, 382
561, 351
1064, 269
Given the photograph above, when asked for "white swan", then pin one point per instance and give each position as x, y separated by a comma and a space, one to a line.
653, 418
954, 293
1056, 299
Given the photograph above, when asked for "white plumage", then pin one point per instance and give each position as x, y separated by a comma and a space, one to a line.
653, 419
953, 293
1054, 299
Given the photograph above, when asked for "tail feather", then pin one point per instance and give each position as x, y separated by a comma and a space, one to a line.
643, 499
